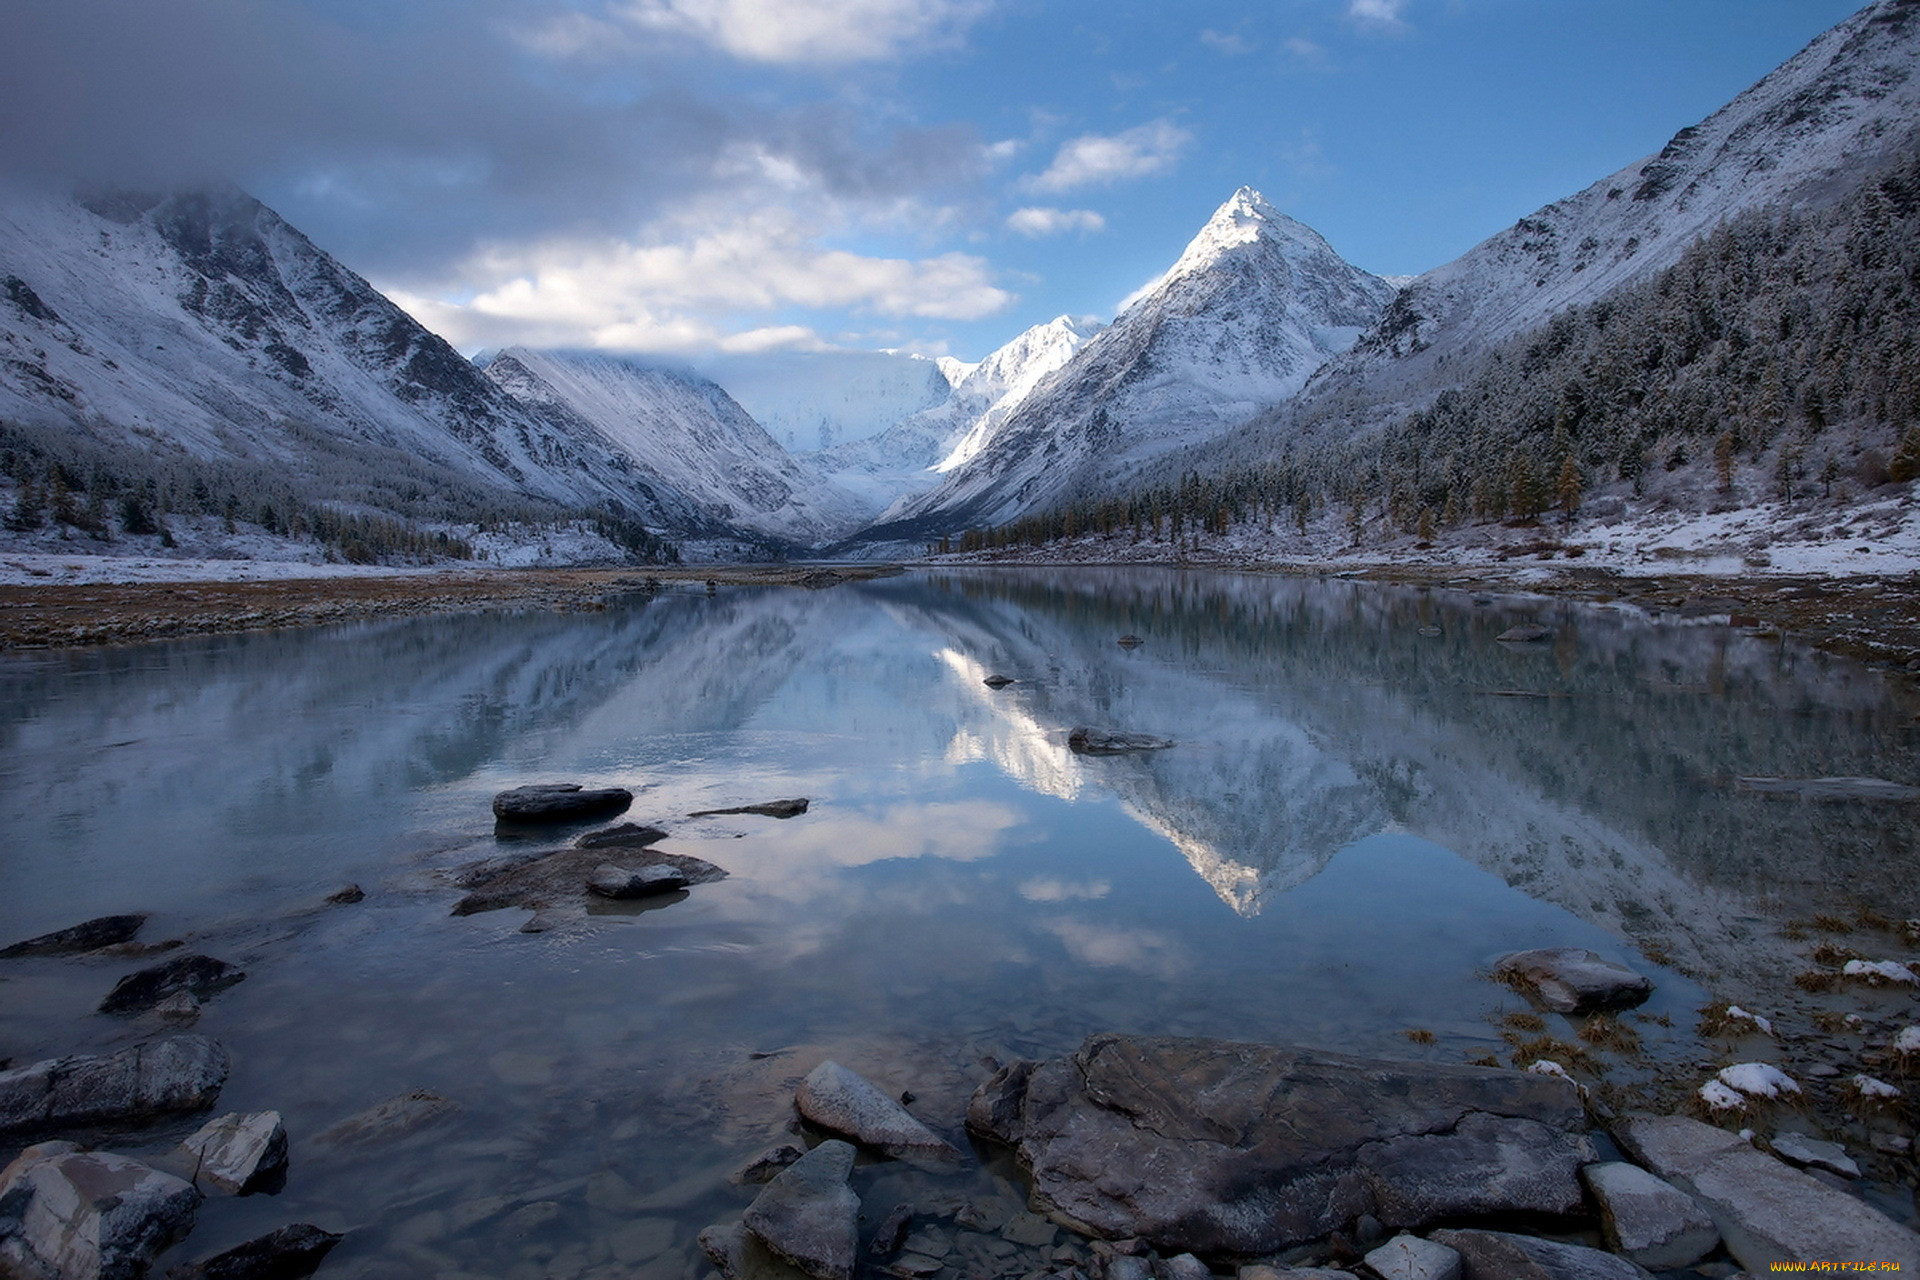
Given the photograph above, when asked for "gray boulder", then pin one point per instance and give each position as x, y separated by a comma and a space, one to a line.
1767, 1212
809, 1215
1088, 741
628, 835
559, 802
840, 1101
1411, 1258
88, 1215
1645, 1219
237, 1152
1573, 979
173, 1076
200, 976
1496, 1255
762, 1167
1811, 1153
739, 1254
1213, 1147
90, 935
610, 881
1183, 1266
287, 1253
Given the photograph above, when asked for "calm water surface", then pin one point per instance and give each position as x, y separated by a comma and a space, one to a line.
1369, 799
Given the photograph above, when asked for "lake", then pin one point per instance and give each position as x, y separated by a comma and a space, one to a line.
1369, 799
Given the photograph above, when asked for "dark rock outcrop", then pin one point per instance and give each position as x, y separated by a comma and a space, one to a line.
1215, 1147
286, 1253
559, 802
1087, 741
90, 935
199, 976
769, 809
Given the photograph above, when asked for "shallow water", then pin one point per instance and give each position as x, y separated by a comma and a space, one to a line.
1370, 797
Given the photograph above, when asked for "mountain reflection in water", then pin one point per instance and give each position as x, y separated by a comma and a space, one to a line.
1354, 819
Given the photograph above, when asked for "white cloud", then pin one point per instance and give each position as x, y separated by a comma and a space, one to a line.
1301, 47
1107, 946
1379, 13
1051, 889
1100, 160
1226, 42
1036, 222
808, 31
689, 286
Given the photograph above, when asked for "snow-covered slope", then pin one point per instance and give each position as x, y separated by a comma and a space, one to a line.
810, 400
682, 433
1838, 109
915, 453
1255, 304
202, 325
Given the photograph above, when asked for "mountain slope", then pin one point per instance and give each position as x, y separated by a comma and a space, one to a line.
202, 326
683, 434
1803, 136
1254, 305
914, 454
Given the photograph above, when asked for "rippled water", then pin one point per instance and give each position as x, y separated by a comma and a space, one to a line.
1369, 799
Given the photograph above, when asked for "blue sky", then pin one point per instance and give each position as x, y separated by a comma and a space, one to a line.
680, 176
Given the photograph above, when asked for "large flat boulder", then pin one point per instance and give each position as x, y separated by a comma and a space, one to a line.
1653, 1223
1212, 1146
162, 1077
1767, 1212
88, 1215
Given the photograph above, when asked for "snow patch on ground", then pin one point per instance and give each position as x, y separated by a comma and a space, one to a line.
1757, 1080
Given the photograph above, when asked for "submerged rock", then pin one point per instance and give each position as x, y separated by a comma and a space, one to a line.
1766, 1211
997, 681
1525, 633
738, 1254
286, 1253
809, 1215
347, 896
559, 802
763, 1166
1088, 741
842, 1102
555, 881
768, 809
1496, 1255
1573, 979
628, 835
238, 1152
1218, 1147
1647, 1220
200, 976
78, 1215
610, 881
173, 1076
387, 1121
90, 935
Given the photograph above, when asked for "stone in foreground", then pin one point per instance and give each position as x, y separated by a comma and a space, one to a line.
237, 1152
173, 1076
288, 1253
1211, 1146
90, 935
610, 881
739, 1254
559, 802
1648, 1221
86, 1214
1411, 1258
201, 976
843, 1102
1496, 1255
1766, 1211
1574, 980
1088, 741
809, 1215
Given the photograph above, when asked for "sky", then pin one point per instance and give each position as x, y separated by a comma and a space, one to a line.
686, 177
